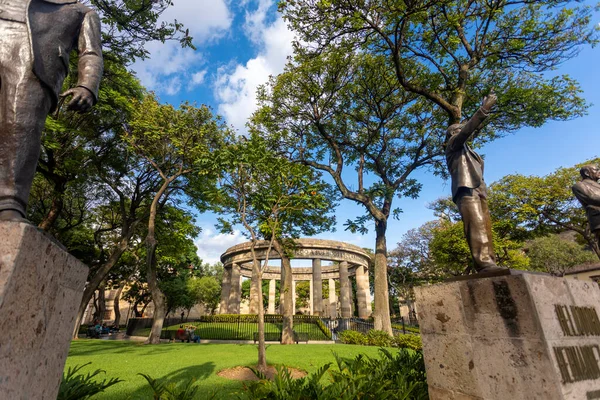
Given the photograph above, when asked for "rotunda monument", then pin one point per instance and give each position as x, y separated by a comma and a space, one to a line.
349, 260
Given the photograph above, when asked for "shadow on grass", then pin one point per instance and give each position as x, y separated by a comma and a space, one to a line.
197, 373
89, 347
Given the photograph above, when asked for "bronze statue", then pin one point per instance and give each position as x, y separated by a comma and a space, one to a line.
36, 38
587, 192
469, 191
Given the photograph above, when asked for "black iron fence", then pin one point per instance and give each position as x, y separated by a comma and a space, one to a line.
340, 325
245, 327
236, 327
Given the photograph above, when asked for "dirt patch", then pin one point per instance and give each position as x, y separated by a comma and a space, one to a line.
245, 374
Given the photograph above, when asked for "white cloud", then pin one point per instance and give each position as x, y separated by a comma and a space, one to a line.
212, 244
198, 77
236, 85
207, 20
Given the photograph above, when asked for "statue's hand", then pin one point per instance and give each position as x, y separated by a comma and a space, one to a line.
81, 101
489, 101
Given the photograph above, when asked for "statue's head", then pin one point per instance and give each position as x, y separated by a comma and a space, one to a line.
590, 171
452, 130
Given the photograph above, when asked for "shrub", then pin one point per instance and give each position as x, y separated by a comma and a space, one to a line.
353, 337
81, 387
407, 328
379, 338
412, 342
400, 376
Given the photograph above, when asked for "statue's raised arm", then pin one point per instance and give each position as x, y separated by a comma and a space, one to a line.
36, 39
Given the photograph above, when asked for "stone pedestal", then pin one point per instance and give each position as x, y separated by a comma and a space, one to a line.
41, 286
517, 337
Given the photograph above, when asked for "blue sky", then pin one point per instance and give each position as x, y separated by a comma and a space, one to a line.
240, 43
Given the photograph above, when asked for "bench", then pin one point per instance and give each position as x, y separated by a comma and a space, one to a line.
269, 337
276, 337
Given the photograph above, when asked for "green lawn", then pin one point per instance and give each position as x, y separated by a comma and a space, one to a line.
180, 362
230, 330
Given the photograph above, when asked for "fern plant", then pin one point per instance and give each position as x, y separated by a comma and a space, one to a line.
393, 376
164, 390
82, 387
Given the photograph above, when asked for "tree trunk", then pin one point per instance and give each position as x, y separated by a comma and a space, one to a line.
381, 315
98, 277
116, 307
157, 296
101, 304
262, 350
287, 333
53, 213
136, 312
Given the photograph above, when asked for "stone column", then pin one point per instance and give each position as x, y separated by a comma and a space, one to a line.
272, 288
225, 289
281, 291
351, 291
236, 291
311, 302
317, 290
255, 302
363, 293
332, 299
345, 290
293, 297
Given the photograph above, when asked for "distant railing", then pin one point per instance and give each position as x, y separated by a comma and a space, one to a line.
340, 325
236, 327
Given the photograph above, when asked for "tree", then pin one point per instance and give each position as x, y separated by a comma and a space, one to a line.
556, 256
345, 110
127, 26
537, 206
207, 292
302, 294
179, 144
423, 65
452, 52
274, 199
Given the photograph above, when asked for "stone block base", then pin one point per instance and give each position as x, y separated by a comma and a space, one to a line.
41, 286
520, 336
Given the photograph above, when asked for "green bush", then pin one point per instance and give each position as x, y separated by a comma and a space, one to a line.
353, 337
412, 329
81, 387
379, 338
412, 342
401, 376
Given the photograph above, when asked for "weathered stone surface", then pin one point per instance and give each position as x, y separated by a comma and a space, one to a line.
235, 291
363, 292
317, 287
345, 291
272, 290
225, 289
498, 338
41, 286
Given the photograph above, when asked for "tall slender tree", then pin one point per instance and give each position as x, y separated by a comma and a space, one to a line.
181, 146
274, 199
